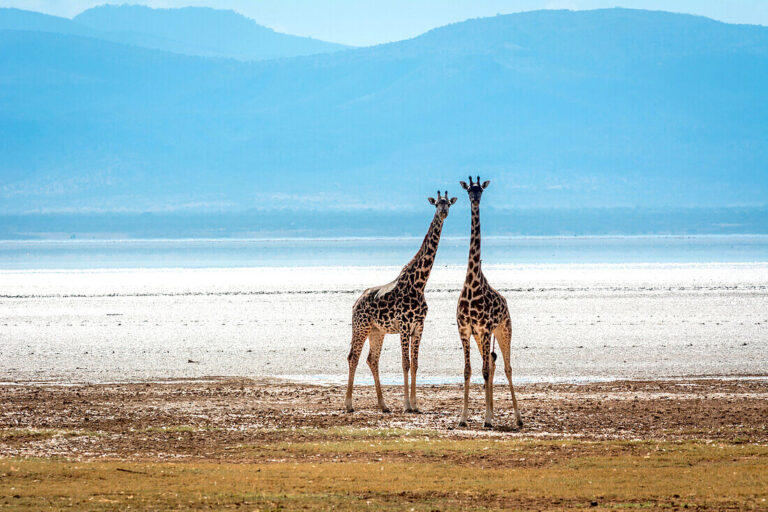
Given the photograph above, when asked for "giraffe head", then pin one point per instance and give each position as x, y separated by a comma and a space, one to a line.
475, 190
442, 203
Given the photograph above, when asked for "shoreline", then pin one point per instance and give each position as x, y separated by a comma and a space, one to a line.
417, 238
376, 251
510, 266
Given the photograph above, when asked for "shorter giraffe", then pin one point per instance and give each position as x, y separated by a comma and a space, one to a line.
397, 308
483, 312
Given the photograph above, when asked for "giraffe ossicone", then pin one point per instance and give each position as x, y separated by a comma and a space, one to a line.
400, 308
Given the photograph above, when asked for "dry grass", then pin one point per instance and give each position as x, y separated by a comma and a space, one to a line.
444, 474
248, 445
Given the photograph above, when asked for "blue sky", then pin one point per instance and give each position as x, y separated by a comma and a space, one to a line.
365, 22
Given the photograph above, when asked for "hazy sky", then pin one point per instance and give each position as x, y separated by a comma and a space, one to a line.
365, 22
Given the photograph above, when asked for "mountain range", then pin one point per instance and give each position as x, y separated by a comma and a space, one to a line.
200, 31
134, 109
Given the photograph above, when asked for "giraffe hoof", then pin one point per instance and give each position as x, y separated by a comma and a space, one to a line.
415, 411
386, 410
462, 423
487, 424
350, 409
519, 423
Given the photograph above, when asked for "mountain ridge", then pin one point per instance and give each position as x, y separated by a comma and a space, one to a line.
657, 120
217, 32
250, 41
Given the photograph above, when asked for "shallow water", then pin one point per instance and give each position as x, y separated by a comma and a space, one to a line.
571, 322
225, 253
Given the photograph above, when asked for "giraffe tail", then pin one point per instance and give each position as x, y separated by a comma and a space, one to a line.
493, 350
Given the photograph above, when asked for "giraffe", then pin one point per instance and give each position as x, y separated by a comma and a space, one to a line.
397, 308
482, 312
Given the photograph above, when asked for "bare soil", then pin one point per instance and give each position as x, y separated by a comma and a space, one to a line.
212, 419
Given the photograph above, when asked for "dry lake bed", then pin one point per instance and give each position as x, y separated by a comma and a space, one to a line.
571, 323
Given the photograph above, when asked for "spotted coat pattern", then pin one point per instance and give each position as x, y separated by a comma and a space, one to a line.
397, 308
482, 312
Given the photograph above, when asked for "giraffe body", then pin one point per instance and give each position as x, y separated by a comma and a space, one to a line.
397, 308
482, 313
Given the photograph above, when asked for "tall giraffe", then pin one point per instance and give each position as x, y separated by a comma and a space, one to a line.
482, 312
397, 308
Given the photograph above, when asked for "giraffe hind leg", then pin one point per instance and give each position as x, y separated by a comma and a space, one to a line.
359, 334
503, 337
405, 341
415, 341
484, 343
492, 364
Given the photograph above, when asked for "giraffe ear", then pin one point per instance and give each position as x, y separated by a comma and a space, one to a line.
464, 185
486, 183
431, 200
454, 199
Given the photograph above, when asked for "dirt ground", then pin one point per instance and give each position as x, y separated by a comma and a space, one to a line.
209, 420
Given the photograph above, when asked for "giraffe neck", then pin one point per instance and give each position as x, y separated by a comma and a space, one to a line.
474, 242
417, 271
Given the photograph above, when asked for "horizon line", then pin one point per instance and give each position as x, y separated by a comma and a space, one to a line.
353, 46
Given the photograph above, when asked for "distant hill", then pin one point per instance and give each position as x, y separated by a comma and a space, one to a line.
589, 109
19, 19
202, 31
190, 31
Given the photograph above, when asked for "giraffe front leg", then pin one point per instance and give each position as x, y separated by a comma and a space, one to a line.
415, 341
485, 349
405, 349
464, 333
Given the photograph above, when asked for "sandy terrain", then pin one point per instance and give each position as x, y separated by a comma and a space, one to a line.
167, 421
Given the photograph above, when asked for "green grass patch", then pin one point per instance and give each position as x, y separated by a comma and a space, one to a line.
27, 434
181, 428
426, 445
350, 432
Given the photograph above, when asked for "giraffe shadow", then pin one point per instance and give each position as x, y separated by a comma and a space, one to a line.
505, 428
